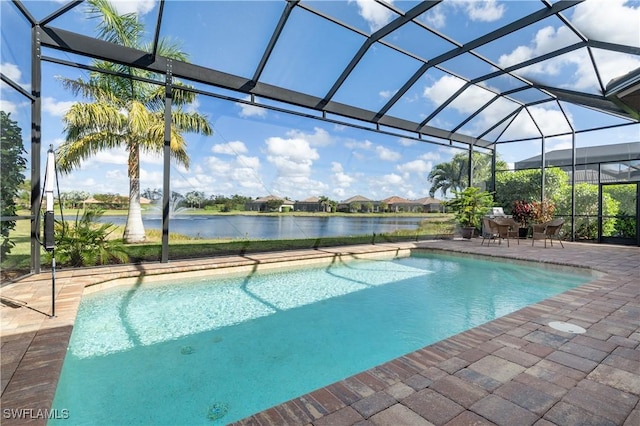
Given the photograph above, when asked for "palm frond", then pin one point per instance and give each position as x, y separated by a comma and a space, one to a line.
71, 153
83, 119
181, 96
192, 122
139, 118
88, 89
172, 49
178, 145
113, 27
179, 149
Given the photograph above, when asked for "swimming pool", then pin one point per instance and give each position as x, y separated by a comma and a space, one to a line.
220, 350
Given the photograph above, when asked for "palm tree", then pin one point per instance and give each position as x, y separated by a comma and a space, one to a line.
454, 175
447, 176
126, 112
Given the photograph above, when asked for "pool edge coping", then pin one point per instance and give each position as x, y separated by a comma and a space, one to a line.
58, 330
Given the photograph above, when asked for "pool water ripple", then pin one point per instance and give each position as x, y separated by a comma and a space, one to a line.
214, 351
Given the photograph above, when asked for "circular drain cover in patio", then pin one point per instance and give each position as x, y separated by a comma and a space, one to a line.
567, 327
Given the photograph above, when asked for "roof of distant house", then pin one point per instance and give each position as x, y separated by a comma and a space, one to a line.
428, 200
357, 199
311, 200
396, 200
270, 198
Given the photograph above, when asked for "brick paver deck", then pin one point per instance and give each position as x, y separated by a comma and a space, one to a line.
513, 370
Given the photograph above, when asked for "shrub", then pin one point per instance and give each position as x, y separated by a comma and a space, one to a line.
522, 212
542, 211
86, 242
12, 165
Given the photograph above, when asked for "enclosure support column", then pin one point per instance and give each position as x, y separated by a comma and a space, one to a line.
493, 171
470, 165
166, 187
36, 121
600, 202
573, 185
542, 176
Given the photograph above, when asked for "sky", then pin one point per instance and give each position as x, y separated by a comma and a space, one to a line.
258, 151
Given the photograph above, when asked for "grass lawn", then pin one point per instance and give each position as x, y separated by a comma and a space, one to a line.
17, 262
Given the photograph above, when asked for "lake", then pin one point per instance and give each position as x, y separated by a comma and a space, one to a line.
274, 227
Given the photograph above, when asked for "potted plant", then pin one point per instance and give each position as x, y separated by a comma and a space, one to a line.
469, 205
522, 212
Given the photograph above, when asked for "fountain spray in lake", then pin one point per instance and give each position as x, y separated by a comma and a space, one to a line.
173, 208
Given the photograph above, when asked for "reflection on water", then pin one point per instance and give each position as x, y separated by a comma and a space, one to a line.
275, 227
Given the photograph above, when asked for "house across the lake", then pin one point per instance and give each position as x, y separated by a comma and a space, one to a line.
355, 204
270, 203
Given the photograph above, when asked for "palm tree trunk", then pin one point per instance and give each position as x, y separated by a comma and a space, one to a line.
134, 229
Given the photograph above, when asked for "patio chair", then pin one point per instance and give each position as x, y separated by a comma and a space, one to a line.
547, 230
492, 230
513, 227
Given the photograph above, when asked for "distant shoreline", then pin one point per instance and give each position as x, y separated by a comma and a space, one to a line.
71, 213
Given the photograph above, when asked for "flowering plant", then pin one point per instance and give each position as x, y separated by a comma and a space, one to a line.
522, 212
542, 211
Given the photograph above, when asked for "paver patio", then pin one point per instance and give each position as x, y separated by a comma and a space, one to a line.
513, 370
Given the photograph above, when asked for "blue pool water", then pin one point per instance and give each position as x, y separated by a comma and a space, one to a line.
215, 351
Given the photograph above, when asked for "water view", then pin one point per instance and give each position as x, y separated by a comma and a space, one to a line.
275, 227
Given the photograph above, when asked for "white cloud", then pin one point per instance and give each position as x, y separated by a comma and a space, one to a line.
476, 10
436, 18
340, 178
12, 71
297, 150
339, 193
610, 66
442, 89
563, 144
617, 22
550, 120
55, 108
111, 156
390, 179
319, 137
8, 106
389, 184
247, 162
366, 145
291, 157
115, 174
247, 110
387, 154
485, 11
141, 7
429, 156
407, 142
387, 94
230, 174
471, 99
298, 187
216, 166
229, 148
416, 166
546, 40
375, 14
